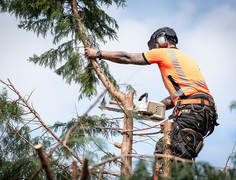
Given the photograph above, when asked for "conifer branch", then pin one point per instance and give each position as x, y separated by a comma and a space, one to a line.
41, 121
109, 86
17, 132
98, 127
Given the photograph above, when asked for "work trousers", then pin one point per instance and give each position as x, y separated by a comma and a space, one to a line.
189, 127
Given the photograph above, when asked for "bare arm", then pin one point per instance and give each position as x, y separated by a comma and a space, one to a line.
118, 56
168, 102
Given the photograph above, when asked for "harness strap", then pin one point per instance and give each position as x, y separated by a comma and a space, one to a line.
194, 101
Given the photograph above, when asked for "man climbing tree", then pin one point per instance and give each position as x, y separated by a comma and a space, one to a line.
194, 112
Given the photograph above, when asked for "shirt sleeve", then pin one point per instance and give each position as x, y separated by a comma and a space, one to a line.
155, 56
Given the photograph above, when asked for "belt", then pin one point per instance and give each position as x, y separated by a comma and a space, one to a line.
194, 101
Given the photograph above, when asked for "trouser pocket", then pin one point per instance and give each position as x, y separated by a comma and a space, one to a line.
192, 140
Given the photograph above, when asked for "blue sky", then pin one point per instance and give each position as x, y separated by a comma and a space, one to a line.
206, 31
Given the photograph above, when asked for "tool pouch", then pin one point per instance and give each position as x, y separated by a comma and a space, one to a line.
192, 140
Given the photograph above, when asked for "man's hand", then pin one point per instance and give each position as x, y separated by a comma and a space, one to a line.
90, 53
168, 102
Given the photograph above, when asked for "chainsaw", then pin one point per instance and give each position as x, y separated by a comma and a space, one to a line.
150, 110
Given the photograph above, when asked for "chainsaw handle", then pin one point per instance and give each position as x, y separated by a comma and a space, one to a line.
144, 95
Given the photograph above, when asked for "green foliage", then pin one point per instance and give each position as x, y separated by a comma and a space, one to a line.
56, 17
88, 134
9, 109
18, 160
17, 157
88, 126
141, 171
182, 171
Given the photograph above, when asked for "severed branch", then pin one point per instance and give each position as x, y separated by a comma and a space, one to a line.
44, 161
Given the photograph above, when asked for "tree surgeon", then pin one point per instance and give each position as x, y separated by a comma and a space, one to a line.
194, 113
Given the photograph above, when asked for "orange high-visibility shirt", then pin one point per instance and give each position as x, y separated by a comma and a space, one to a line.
180, 73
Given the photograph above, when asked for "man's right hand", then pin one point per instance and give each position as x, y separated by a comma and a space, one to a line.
91, 53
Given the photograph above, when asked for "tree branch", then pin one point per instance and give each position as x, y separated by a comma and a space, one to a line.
225, 168
158, 124
40, 120
17, 132
143, 156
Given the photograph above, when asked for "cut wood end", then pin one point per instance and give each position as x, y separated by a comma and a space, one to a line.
38, 146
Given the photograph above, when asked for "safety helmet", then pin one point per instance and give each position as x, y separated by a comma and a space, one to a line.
161, 36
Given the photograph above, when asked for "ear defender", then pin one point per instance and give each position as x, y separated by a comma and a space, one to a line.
160, 37
161, 40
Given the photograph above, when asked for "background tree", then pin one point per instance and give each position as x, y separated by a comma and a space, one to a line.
22, 127
84, 22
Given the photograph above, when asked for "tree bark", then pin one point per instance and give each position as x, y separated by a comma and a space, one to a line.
126, 148
84, 170
44, 161
167, 149
75, 170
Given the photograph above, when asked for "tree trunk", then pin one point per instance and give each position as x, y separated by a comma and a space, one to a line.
126, 148
125, 99
75, 170
84, 171
166, 149
44, 161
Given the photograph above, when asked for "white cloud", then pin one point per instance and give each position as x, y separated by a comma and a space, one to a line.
211, 43
52, 98
210, 40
